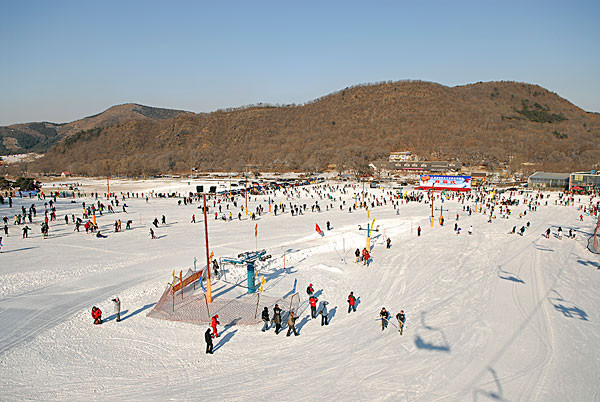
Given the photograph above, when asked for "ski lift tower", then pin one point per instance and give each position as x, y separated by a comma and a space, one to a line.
249, 259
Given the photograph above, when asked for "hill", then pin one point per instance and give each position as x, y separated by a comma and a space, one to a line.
495, 122
41, 136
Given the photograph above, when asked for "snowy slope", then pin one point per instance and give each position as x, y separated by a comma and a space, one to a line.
490, 316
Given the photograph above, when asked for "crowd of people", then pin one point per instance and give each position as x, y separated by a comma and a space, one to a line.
297, 201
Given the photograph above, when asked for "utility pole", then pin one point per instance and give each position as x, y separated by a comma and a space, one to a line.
208, 288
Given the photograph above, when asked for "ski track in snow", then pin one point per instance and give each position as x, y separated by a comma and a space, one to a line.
490, 316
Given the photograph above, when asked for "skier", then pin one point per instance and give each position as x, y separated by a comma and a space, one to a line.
164, 220
215, 265
208, 338
310, 290
26, 230
367, 257
560, 233
419, 231
328, 225
277, 318
313, 306
97, 315
193, 218
401, 319
292, 323
117, 302
155, 222
470, 229
351, 302
385, 316
324, 314
152, 234
548, 233
357, 254
214, 324
265, 318
388, 243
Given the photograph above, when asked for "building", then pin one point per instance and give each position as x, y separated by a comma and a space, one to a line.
584, 180
547, 180
402, 156
425, 166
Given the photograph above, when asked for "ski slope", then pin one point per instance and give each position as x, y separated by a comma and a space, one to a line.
490, 316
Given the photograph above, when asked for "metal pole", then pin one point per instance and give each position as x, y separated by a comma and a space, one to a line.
432, 198
208, 288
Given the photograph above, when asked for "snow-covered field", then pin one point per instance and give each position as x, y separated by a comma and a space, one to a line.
490, 316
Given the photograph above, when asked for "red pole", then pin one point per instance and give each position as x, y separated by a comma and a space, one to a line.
208, 288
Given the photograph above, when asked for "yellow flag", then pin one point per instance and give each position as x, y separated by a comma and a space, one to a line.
262, 283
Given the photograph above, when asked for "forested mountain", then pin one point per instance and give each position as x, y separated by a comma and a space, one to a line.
494, 122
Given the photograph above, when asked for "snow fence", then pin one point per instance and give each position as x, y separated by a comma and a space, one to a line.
190, 305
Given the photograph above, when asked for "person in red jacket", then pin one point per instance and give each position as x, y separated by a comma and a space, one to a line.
351, 302
215, 322
97, 315
313, 306
367, 257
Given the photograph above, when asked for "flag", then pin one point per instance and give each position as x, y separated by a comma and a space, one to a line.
256, 230
262, 283
318, 229
211, 255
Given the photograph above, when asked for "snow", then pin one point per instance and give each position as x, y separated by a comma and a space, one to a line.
490, 316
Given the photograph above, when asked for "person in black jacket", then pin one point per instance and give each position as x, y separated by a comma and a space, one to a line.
385, 316
277, 318
310, 290
208, 339
357, 254
401, 319
265, 318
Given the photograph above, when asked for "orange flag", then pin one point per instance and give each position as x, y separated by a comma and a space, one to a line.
318, 229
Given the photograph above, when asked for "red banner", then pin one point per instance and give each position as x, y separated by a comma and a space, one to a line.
187, 281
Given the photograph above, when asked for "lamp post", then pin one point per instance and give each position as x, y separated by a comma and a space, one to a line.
432, 198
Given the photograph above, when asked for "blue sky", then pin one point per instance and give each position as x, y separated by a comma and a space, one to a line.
63, 60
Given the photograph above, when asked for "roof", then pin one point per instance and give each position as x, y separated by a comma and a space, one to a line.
550, 176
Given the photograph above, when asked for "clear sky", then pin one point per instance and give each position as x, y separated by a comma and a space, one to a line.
63, 60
